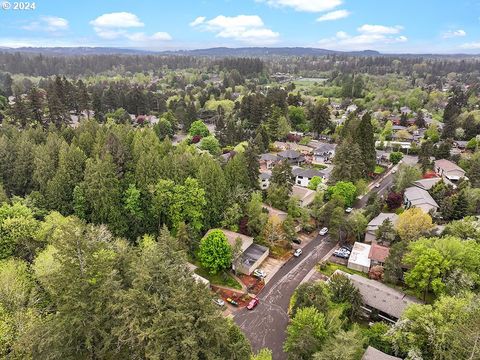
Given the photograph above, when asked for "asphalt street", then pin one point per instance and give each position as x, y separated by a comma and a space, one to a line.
266, 324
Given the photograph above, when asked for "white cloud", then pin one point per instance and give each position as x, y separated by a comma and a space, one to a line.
199, 20
117, 20
454, 33
51, 24
305, 5
379, 29
115, 25
334, 15
471, 45
369, 36
248, 29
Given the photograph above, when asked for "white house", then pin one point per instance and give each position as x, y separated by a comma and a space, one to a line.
264, 179
303, 176
359, 258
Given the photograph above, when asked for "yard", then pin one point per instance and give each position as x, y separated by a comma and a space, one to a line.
379, 170
329, 268
221, 279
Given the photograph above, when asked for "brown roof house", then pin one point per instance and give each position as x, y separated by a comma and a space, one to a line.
378, 254
304, 196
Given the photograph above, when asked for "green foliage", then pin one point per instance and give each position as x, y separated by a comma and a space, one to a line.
344, 190
198, 128
264, 354
405, 176
210, 144
315, 182
215, 252
395, 157
306, 334
311, 295
343, 345
164, 129
343, 291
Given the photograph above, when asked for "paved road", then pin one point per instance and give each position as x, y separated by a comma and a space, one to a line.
265, 325
385, 184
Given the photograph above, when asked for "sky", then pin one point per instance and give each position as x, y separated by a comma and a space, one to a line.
389, 26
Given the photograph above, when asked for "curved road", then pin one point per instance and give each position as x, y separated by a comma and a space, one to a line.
265, 325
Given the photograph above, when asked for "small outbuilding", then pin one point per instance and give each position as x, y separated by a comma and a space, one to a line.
359, 258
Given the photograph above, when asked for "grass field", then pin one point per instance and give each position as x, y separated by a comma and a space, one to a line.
379, 170
222, 279
331, 267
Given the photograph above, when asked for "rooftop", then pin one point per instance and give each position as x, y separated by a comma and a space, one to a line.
427, 184
447, 165
301, 192
378, 220
269, 157
290, 154
359, 255
378, 253
373, 354
419, 197
253, 253
232, 236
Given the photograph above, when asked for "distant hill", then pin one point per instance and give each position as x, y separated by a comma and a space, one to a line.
218, 52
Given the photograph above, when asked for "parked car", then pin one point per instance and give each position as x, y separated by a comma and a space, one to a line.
297, 241
347, 247
297, 252
233, 302
377, 185
219, 302
254, 302
324, 231
348, 210
394, 171
342, 253
259, 273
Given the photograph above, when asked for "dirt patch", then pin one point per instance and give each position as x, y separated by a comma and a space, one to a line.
253, 284
240, 298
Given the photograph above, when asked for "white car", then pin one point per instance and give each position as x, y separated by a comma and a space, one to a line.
259, 273
394, 171
219, 302
324, 231
348, 210
377, 185
297, 252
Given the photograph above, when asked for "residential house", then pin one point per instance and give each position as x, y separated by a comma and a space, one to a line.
324, 153
275, 213
378, 254
252, 255
427, 184
303, 176
416, 197
351, 108
199, 279
405, 110
268, 161
303, 195
264, 179
383, 157
292, 156
359, 259
448, 170
460, 144
375, 223
373, 354
388, 304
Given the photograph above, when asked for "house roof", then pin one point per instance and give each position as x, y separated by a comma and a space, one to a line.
290, 154
380, 296
359, 254
447, 165
427, 184
419, 197
378, 220
269, 157
325, 147
308, 173
301, 192
265, 175
373, 354
398, 127
378, 253
275, 212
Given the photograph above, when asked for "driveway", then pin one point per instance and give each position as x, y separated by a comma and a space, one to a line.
265, 325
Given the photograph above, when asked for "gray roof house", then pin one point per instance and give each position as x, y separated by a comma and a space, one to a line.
427, 184
324, 153
416, 197
373, 354
374, 224
303, 195
388, 302
292, 156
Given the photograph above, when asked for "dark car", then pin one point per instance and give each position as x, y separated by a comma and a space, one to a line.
254, 302
297, 241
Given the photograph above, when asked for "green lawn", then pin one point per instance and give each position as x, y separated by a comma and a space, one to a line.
331, 267
379, 170
222, 279
319, 166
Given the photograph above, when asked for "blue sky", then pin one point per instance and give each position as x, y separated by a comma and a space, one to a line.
416, 26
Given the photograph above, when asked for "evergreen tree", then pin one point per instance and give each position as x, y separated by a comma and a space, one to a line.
320, 118
35, 99
420, 120
366, 142
282, 175
347, 166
